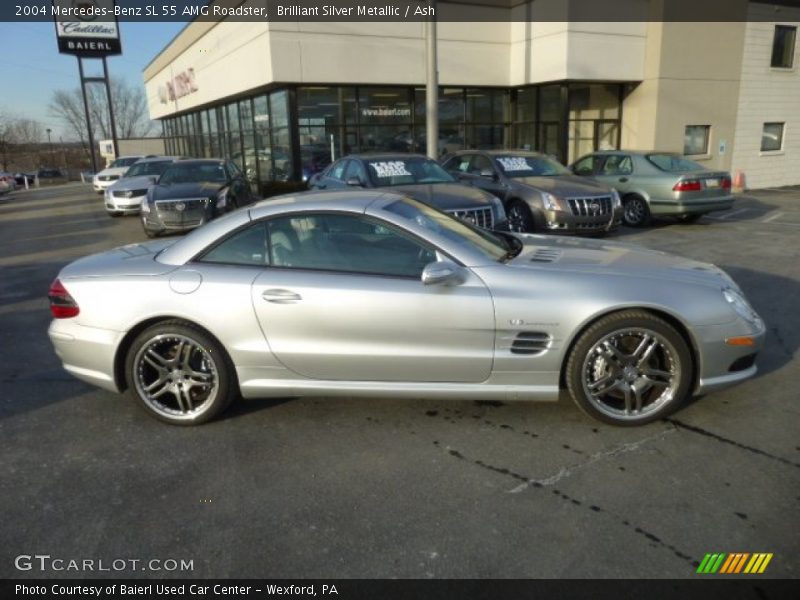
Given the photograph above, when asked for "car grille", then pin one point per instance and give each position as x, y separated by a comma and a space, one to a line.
590, 207
128, 193
482, 217
189, 204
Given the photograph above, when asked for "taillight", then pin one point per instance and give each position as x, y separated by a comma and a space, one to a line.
725, 183
62, 305
688, 185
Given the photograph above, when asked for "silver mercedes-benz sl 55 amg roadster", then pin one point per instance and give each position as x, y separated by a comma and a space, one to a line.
375, 294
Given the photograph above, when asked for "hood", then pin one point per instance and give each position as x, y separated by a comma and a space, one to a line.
564, 185
133, 259
176, 191
444, 196
132, 183
614, 258
113, 171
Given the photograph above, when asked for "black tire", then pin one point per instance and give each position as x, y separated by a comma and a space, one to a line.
635, 211
692, 218
186, 378
623, 388
520, 217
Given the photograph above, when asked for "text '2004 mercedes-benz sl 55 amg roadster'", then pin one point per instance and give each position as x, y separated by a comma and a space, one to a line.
376, 294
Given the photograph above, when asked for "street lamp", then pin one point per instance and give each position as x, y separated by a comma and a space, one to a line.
50, 143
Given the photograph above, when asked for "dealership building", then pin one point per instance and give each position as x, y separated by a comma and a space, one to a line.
282, 98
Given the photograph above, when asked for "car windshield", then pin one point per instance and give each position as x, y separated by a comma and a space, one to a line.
521, 165
674, 163
140, 169
406, 171
123, 162
194, 173
455, 230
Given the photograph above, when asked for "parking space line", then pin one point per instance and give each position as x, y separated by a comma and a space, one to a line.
772, 217
730, 214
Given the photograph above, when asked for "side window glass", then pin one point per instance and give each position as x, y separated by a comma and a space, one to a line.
355, 169
626, 166
345, 243
479, 164
617, 164
337, 172
246, 247
458, 163
585, 166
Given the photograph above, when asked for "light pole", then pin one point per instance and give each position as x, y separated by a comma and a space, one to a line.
50, 144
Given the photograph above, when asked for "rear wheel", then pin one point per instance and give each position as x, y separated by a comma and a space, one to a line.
520, 218
179, 374
629, 368
635, 213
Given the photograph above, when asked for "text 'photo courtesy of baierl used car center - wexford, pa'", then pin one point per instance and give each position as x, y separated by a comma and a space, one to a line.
464, 298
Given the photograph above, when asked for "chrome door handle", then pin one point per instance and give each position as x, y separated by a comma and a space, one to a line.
280, 296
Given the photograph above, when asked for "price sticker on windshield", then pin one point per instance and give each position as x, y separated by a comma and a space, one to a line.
395, 168
514, 163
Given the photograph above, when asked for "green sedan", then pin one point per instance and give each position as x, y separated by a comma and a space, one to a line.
658, 184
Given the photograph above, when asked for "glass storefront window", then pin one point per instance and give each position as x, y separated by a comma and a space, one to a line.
233, 117
526, 104
384, 106
593, 101
279, 109
246, 114
487, 106
550, 99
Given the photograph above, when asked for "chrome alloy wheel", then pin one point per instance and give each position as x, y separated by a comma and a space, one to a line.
635, 211
175, 376
631, 373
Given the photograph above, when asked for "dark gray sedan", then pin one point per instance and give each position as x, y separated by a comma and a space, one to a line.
192, 192
539, 194
658, 183
418, 177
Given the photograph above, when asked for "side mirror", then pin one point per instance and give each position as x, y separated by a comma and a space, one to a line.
442, 272
489, 174
354, 181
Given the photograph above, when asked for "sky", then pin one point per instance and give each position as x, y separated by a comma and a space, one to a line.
33, 68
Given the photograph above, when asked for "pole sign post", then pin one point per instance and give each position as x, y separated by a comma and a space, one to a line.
86, 28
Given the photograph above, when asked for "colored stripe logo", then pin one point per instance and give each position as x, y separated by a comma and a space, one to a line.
735, 563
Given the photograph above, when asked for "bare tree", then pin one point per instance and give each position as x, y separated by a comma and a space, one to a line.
130, 111
27, 132
6, 139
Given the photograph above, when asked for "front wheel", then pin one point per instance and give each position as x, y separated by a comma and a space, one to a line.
629, 368
179, 374
520, 218
636, 212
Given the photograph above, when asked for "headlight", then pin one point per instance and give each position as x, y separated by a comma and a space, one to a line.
222, 198
740, 305
616, 202
551, 202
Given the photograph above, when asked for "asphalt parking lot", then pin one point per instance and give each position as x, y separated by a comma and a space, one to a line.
329, 488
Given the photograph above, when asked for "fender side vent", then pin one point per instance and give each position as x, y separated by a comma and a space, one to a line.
530, 342
545, 255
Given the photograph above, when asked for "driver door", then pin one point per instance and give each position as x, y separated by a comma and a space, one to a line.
343, 300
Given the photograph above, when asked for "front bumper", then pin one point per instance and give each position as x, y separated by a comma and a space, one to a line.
86, 352
100, 185
157, 223
557, 221
721, 364
126, 205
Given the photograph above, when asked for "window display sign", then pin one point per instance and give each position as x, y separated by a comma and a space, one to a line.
86, 28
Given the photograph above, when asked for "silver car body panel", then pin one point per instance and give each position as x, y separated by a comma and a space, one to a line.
504, 332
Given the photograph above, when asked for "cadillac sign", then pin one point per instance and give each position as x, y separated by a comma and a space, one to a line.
86, 28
